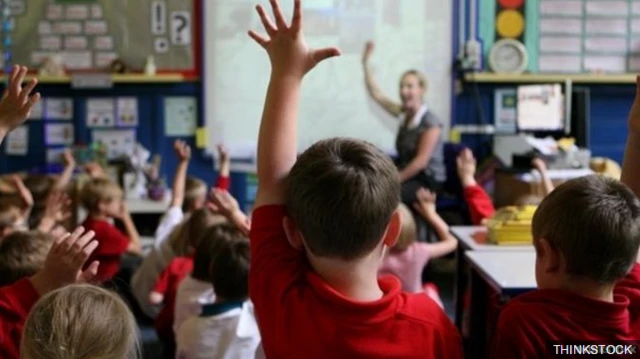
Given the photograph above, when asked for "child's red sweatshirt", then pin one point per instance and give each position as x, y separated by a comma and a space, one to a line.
480, 205
16, 301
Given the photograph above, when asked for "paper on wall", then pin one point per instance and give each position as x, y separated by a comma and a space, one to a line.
96, 11
104, 59
18, 141
127, 111
77, 60
571, 44
606, 26
606, 44
54, 12
117, 142
608, 8
37, 111
76, 43
606, 63
51, 42
180, 116
58, 134
560, 26
58, 108
95, 27
54, 155
103, 43
561, 7
77, 12
101, 112
68, 28
44, 28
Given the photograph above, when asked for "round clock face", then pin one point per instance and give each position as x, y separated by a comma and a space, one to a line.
508, 56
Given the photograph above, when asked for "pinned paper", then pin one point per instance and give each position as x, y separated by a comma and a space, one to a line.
58, 108
54, 155
37, 111
18, 141
201, 137
58, 134
101, 112
127, 111
180, 116
117, 142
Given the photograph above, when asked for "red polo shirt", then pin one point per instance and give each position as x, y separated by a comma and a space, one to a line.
630, 288
112, 244
529, 322
301, 316
167, 284
16, 301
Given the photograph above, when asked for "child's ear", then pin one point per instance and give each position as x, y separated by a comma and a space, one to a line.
549, 257
293, 234
393, 229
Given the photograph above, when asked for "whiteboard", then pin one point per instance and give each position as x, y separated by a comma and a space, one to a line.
408, 34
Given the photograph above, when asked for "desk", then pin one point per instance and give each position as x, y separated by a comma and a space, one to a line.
146, 206
472, 238
508, 273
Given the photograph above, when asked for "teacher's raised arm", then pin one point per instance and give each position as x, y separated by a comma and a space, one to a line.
419, 140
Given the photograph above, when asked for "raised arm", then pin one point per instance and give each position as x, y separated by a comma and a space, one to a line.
224, 182
130, 229
290, 59
25, 195
392, 107
631, 164
69, 166
478, 201
541, 167
428, 141
426, 206
227, 206
16, 104
183, 151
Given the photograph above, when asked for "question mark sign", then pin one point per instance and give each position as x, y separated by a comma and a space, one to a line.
183, 24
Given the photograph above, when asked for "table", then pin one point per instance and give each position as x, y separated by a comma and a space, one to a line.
509, 273
146, 206
473, 238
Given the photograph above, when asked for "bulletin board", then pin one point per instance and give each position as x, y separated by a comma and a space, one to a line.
90, 34
572, 36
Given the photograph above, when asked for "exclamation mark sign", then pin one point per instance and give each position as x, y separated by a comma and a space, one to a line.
158, 18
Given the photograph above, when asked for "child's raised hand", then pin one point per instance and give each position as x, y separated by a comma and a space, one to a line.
425, 202
223, 202
368, 50
223, 154
64, 263
287, 49
67, 157
539, 165
16, 104
23, 191
466, 166
183, 151
58, 207
94, 170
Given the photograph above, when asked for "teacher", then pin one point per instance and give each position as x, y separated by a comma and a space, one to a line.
418, 143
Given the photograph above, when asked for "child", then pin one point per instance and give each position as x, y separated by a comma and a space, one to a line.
16, 102
22, 254
80, 321
187, 197
407, 258
183, 240
480, 204
586, 237
62, 267
226, 328
103, 200
314, 262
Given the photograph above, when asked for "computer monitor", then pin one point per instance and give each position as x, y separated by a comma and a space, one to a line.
541, 108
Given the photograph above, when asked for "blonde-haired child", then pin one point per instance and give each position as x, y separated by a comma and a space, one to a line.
80, 321
103, 199
188, 196
407, 258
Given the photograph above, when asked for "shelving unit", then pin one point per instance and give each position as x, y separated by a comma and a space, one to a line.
117, 78
486, 77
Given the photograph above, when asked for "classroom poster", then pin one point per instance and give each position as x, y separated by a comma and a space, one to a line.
58, 108
118, 142
54, 155
180, 116
37, 111
18, 141
101, 112
58, 134
127, 111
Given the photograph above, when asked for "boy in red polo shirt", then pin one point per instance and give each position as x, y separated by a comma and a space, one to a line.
320, 229
586, 236
103, 199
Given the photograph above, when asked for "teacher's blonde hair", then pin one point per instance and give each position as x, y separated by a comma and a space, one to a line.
80, 321
422, 79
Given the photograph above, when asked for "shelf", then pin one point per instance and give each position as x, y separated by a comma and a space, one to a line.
485, 77
117, 79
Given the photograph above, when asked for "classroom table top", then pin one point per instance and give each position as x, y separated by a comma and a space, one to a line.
475, 238
147, 206
509, 273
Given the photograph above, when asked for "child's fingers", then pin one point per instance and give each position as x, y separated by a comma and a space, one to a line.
323, 54
82, 256
89, 275
24, 95
14, 77
82, 241
33, 99
73, 238
296, 21
16, 86
269, 27
258, 38
277, 13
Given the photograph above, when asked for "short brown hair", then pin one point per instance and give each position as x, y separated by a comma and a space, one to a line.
22, 254
208, 246
341, 193
194, 188
594, 222
408, 231
98, 190
186, 236
39, 185
230, 267
80, 321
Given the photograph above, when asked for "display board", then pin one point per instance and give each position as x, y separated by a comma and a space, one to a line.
89, 34
407, 33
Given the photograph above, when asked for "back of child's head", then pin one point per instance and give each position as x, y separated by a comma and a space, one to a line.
208, 245
22, 254
408, 230
11, 216
187, 235
230, 267
341, 195
195, 194
594, 222
77, 322
39, 185
99, 190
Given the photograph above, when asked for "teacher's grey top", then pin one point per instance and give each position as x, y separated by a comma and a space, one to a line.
409, 137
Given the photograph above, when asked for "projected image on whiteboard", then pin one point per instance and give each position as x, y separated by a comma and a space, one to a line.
540, 108
409, 34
